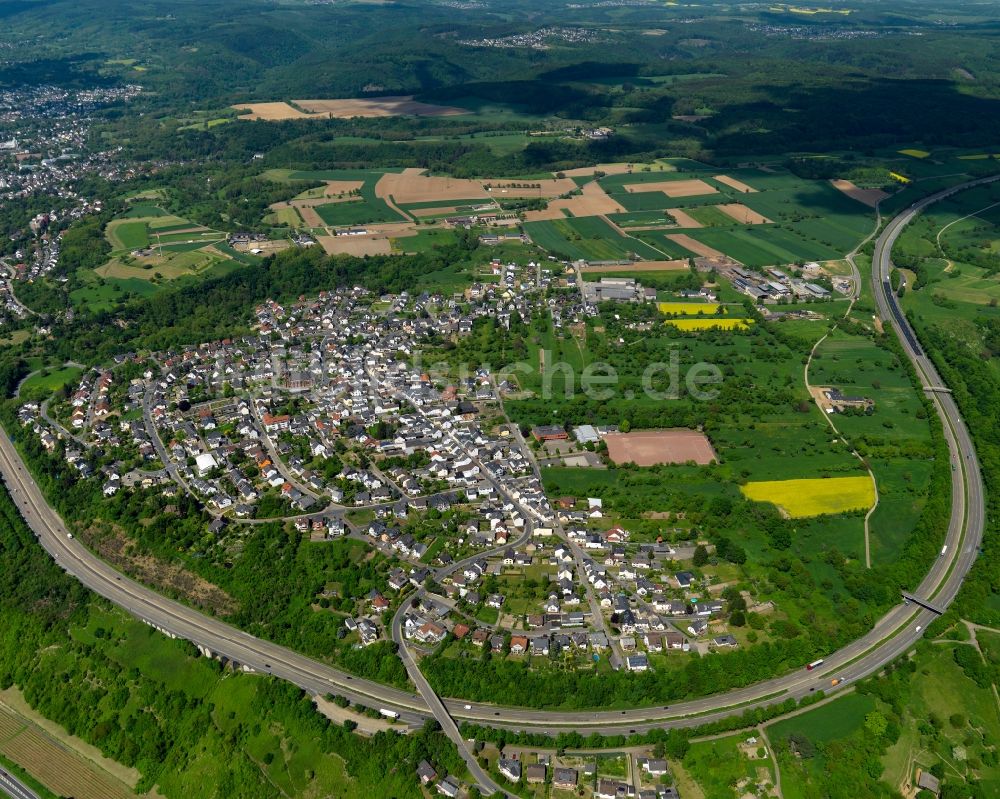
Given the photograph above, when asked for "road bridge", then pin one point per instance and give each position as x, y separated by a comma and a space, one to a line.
924, 603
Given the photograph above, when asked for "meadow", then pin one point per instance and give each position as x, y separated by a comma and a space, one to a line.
719, 765
949, 720
151, 248
952, 258
895, 439
359, 212
826, 723
50, 380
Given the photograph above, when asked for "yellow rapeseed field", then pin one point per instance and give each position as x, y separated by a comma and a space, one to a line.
814, 497
707, 324
915, 153
688, 308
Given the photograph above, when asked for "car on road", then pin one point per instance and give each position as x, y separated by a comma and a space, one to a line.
467, 707
69, 535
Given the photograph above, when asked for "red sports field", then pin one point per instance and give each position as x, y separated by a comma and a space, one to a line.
653, 447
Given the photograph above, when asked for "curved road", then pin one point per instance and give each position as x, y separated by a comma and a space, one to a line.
891, 637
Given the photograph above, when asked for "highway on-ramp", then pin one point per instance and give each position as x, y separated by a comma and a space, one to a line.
891, 636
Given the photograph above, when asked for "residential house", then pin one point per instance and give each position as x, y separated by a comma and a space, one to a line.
510, 768
426, 772
564, 779
613, 789
655, 768
535, 773
637, 663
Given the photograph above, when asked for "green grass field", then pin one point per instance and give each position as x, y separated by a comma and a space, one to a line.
823, 728
358, 212
896, 438
641, 219
828, 722
127, 235
944, 692
719, 764
710, 216
424, 241
141, 210
586, 238
956, 249
113, 291
284, 216
763, 245
51, 380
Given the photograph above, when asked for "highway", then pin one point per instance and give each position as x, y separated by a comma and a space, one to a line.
14, 788
179, 620
892, 636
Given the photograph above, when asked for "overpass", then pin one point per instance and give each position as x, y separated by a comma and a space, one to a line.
924, 603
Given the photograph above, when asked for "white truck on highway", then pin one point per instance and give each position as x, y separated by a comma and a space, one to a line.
389, 714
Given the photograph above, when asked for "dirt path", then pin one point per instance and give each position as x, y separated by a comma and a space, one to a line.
855, 296
774, 759
388, 200
854, 452
625, 234
937, 238
686, 786
973, 627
